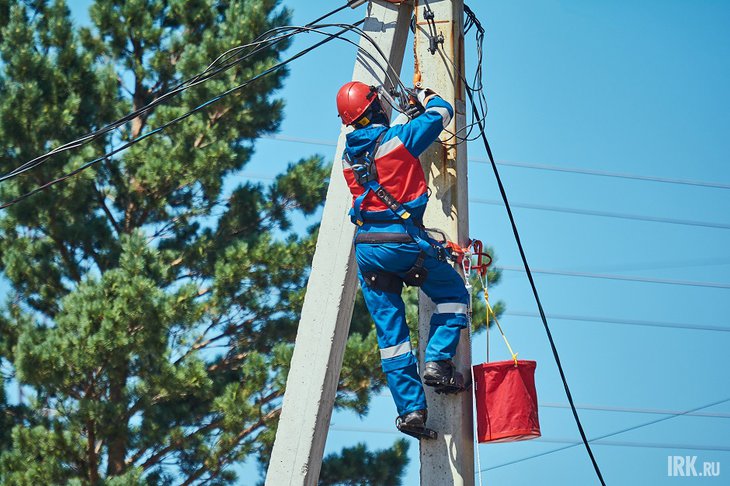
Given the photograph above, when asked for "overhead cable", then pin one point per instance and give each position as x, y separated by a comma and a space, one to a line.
604, 173
615, 320
650, 411
612, 434
397, 83
625, 278
513, 224
605, 214
171, 122
527, 165
261, 42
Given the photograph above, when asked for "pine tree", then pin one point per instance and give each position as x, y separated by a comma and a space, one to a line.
154, 297
357, 466
152, 312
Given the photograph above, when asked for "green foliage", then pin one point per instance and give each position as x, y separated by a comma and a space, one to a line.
356, 466
152, 311
155, 297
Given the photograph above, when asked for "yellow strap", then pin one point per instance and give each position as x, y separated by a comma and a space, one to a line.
490, 310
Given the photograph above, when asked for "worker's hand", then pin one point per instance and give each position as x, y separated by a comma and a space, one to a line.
424, 95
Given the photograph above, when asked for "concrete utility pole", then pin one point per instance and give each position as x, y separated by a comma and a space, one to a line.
315, 367
450, 459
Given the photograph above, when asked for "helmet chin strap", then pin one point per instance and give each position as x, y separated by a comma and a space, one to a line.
375, 114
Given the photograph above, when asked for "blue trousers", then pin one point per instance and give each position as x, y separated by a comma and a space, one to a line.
446, 289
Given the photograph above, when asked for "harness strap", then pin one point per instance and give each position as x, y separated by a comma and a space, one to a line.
416, 276
383, 237
364, 172
387, 198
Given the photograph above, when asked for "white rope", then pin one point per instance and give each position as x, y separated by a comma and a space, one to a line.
466, 267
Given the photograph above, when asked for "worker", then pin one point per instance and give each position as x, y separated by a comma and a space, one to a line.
392, 247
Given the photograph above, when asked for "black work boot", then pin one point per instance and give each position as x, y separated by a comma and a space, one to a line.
414, 424
442, 375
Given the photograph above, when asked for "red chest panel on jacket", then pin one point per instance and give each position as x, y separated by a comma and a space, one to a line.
399, 172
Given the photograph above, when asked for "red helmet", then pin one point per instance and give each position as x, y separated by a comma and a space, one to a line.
354, 99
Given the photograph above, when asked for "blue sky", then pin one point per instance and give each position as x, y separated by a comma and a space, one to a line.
622, 86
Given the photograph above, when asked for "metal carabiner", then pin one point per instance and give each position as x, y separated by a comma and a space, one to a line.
466, 267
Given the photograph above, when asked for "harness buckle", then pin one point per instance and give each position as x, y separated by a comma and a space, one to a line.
442, 254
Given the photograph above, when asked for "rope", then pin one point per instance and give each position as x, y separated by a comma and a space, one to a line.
466, 267
494, 316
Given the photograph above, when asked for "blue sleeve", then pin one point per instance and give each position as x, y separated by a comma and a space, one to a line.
418, 134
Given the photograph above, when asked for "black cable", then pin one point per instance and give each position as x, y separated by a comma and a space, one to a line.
396, 81
516, 233
477, 87
184, 85
177, 119
479, 116
197, 79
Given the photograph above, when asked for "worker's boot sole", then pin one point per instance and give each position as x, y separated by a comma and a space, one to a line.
418, 432
447, 386
414, 424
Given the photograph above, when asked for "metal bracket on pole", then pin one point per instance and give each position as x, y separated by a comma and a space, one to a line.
323, 328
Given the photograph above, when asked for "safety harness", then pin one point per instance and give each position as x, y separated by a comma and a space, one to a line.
366, 174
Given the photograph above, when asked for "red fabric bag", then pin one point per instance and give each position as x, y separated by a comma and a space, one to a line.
506, 401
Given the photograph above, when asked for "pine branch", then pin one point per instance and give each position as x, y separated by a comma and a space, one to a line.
102, 202
223, 461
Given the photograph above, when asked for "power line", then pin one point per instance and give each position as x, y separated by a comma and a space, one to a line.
572, 442
605, 214
653, 445
390, 73
584, 212
526, 165
533, 286
624, 278
673, 264
329, 37
626, 410
650, 411
630, 322
605, 436
267, 39
523, 256
307, 141
603, 173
